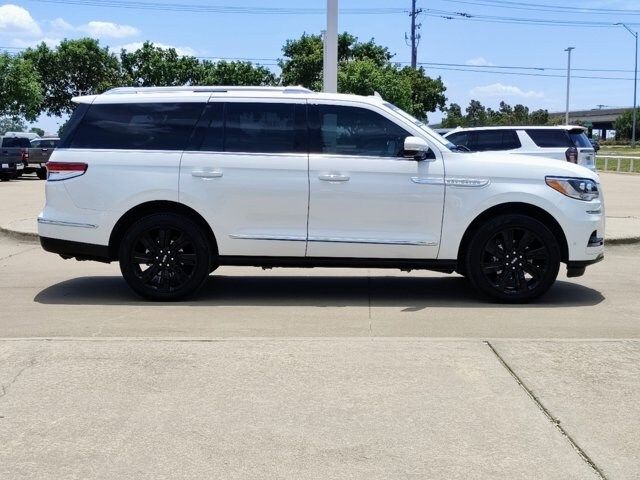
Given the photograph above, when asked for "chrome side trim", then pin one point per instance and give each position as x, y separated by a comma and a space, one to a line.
466, 182
374, 241
428, 180
282, 238
60, 223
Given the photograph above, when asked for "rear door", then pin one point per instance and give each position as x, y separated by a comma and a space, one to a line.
246, 171
366, 200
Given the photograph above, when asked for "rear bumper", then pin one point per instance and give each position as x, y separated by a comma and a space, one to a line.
78, 250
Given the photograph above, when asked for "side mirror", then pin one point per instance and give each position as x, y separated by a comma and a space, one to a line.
417, 149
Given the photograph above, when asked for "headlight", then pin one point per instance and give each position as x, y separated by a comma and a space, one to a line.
578, 188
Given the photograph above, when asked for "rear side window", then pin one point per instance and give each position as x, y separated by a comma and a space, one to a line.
16, 142
552, 138
580, 139
492, 140
137, 126
346, 130
265, 127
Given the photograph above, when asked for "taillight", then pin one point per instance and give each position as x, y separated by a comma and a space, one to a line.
25, 155
572, 154
64, 170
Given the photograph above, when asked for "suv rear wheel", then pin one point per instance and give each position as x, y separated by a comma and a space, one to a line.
165, 257
513, 259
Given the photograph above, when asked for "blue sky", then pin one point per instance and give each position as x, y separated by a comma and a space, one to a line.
458, 41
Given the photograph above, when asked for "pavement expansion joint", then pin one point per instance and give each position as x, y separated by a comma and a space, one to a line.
554, 421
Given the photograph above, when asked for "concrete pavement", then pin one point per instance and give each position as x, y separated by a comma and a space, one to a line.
22, 200
312, 409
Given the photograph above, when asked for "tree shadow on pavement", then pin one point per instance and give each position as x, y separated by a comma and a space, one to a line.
316, 291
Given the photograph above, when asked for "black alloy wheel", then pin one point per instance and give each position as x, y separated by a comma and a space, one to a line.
513, 258
165, 257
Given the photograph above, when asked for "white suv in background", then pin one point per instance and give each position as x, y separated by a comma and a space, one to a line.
174, 182
567, 143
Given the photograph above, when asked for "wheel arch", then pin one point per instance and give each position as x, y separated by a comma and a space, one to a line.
516, 208
158, 206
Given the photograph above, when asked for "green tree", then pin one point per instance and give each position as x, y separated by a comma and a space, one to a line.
38, 131
539, 117
624, 126
364, 68
75, 67
152, 66
454, 117
12, 124
235, 73
476, 114
20, 89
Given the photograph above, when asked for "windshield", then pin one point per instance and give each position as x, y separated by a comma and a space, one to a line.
421, 125
13, 142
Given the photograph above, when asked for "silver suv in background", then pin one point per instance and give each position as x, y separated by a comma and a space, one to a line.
568, 143
39, 153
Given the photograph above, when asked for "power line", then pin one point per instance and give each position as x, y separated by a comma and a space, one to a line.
182, 7
545, 7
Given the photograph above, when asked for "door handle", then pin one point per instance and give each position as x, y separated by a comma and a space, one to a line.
206, 174
334, 177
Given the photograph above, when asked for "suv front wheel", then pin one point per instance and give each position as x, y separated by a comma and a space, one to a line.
513, 258
165, 257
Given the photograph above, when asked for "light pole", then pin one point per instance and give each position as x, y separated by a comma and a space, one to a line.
330, 77
635, 86
568, 50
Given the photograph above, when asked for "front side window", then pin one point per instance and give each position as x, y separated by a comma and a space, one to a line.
343, 130
137, 126
460, 139
495, 140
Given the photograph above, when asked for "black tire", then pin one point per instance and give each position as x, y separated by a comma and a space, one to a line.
513, 259
41, 173
165, 257
4, 178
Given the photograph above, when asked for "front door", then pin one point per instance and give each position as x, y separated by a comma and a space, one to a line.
366, 200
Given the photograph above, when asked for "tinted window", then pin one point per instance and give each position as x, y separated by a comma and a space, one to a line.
552, 138
208, 134
13, 142
461, 138
355, 131
68, 129
137, 126
264, 127
580, 139
45, 144
35, 143
491, 140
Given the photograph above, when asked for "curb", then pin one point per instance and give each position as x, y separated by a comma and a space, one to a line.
23, 236
35, 238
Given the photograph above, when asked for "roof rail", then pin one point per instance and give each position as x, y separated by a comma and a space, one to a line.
212, 89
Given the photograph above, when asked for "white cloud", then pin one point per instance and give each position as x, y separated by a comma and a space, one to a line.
503, 91
132, 47
61, 25
15, 20
20, 43
108, 30
479, 62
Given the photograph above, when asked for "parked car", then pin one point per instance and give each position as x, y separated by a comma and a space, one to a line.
173, 182
14, 151
567, 143
39, 153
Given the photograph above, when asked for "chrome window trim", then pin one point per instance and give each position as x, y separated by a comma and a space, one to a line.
368, 241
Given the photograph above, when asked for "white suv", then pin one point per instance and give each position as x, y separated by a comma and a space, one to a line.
567, 142
174, 182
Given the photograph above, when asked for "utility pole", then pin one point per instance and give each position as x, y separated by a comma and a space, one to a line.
635, 86
415, 34
330, 70
568, 50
